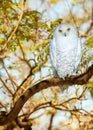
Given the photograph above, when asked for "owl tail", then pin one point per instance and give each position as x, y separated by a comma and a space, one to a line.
64, 87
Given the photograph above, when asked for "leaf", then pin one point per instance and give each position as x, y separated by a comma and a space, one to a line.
2, 40
54, 1
90, 84
89, 42
90, 87
56, 22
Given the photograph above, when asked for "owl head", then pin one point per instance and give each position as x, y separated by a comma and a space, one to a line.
65, 30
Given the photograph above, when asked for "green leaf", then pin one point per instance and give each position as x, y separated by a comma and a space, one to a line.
89, 42
90, 87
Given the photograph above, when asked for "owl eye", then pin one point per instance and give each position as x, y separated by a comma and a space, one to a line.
68, 29
60, 30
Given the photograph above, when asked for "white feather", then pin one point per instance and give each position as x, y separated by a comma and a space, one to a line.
65, 50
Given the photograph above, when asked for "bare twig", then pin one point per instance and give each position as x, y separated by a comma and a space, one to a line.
51, 121
80, 80
7, 87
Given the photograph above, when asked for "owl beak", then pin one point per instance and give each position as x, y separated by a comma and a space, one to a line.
65, 34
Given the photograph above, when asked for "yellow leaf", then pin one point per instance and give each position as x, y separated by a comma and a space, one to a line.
54, 1
2, 40
90, 84
89, 42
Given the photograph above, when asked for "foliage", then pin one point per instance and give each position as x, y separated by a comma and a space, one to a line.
89, 42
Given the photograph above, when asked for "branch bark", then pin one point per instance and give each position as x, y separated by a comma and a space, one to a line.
78, 79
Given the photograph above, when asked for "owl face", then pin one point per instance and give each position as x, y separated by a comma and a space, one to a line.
65, 30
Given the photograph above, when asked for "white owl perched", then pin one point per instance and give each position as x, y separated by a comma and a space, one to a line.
65, 50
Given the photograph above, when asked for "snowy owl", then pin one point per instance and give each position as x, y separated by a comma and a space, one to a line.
65, 50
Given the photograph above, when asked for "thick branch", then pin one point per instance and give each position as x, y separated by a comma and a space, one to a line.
80, 80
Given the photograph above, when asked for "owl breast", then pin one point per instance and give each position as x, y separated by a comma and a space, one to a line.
65, 50
65, 64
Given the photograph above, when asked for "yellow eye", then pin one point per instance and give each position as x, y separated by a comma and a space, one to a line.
68, 29
60, 30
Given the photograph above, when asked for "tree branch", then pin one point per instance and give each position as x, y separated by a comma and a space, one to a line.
80, 80
16, 27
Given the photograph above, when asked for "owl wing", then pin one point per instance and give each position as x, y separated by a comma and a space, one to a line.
78, 53
53, 53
